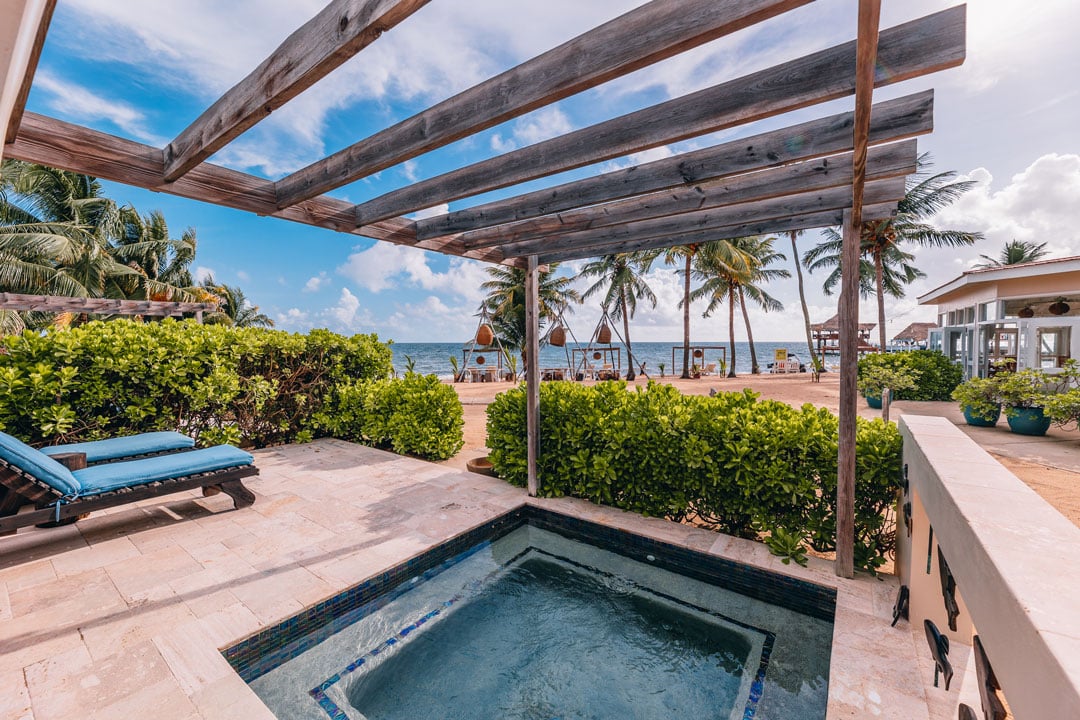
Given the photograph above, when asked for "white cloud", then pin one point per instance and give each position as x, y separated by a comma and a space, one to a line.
384, 266
347, 315
201, 273
243, 275
431, 212
316, 283
535, 127
293, 318
1039, 204
75, 101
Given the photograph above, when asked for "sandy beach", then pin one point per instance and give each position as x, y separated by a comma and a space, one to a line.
1050, 466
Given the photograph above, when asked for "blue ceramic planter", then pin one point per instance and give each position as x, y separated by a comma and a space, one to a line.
979, 420
874, 402
1028, 421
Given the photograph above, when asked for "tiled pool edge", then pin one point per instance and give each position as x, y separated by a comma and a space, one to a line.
272, 646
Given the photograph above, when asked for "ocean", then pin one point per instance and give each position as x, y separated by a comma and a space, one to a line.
434, 358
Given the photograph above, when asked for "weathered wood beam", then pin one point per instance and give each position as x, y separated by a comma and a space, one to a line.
70, 147
810, 221
690, 225
105, 306
898, 119
915, 48
643, 36
341, 30
887, 161
869, 20
31, 68
531, 360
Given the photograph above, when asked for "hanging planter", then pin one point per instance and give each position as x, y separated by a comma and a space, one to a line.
1026, 312
480, 360
1059, 307
596, 356
484, 335
603, 335
698, 353
557, 336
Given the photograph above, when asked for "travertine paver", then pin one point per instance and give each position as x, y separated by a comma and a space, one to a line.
123, 615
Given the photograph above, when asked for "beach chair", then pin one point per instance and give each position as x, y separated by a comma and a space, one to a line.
710, 369
62, 487
128, 447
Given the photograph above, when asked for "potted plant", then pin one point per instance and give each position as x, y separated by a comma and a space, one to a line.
1024, 394
1063, 407
979, 400
663, 366
874, 379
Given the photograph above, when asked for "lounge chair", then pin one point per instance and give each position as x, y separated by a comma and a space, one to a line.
127, 447
62, 487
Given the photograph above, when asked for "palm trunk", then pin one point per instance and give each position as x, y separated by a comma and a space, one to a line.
754, 369
731, 330
802, 300
686, 318
630, 375
879, 273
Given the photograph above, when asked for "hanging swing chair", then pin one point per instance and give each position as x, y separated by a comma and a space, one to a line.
485, 342
600, 359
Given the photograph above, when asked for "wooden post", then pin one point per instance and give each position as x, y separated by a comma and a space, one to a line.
865, 59
532, 369
886, 401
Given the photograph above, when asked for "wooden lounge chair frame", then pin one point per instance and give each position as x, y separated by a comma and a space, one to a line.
18, 488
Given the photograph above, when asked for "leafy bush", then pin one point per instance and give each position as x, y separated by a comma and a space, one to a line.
874, 379
980, 397
414, 415
739, 465
937, 375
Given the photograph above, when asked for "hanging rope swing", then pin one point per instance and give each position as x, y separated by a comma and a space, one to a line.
484, 341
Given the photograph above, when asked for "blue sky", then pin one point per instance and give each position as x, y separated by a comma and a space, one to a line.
145, 69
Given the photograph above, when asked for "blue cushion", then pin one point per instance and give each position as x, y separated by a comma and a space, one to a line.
103, 478
37, 464
120, 447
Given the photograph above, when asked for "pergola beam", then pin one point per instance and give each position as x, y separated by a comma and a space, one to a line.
645, 35
894, 120
100, 306
869, 20
889, 161
915, 48
809, 221
341, 30
693, 225
15, 119
79, 149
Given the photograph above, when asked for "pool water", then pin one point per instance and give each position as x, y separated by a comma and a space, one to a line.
538, 625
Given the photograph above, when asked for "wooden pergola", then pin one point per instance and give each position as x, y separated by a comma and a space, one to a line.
836, 170
103, 306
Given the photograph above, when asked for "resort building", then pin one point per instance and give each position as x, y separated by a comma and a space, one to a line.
914, 337
1022, 316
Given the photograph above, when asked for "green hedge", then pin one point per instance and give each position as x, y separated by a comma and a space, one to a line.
414, 415
937, 375
758, 469
246, 386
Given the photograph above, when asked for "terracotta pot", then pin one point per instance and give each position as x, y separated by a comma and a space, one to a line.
604, 335
1058, 308
557, 336
698, 353
484, 335
1027, 312
480, 360
596, 356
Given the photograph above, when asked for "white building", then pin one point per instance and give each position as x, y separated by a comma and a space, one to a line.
1026, 315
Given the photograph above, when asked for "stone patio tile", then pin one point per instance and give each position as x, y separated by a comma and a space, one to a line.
72, 598
192, 657
274, 595
30, 544
146, 578
14, 697
129, 628
230, 699
94, 556
165, 698
5, 603
20, 577
229, 625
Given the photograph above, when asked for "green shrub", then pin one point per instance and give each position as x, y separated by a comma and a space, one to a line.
742, 466
414, 415
979, 396
937, 375
246, 385
875, 378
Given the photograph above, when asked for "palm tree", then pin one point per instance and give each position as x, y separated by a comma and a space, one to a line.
721, 267
1015, 252
623, 276
233, 307
760, 254
164, 263
684, 253
505, 301
925, 196
794, 234
897, 269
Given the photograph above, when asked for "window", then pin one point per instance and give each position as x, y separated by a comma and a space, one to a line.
1053, 346
969, 315
986, 312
